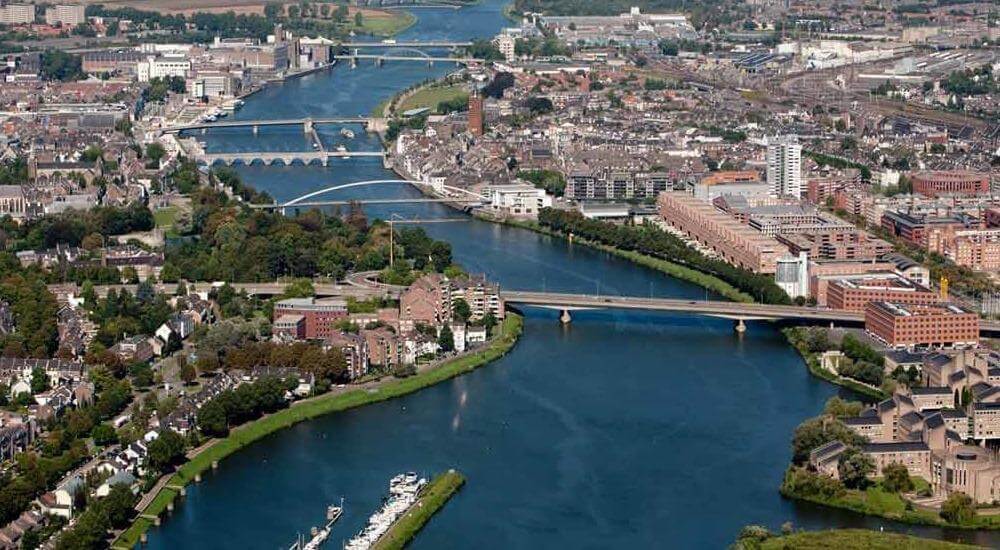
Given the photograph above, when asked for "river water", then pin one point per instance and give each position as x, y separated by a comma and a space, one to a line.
622, 430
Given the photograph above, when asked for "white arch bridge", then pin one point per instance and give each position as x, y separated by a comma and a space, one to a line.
460, 196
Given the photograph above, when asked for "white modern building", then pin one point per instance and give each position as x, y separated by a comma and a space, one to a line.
784, 166
518, 200
792, 275
161, 67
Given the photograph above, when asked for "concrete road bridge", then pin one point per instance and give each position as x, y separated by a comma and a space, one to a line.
362, 285
408, 44
739, 312
374, 124
380, 59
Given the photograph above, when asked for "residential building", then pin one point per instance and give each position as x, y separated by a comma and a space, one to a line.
915, 455
928, 325
319, 315
735, 242
852, 293
17, 14
784, 166
506, 45
67, 15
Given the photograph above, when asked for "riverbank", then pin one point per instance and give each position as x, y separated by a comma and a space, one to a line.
812, 363
874, 501
849, 539
431, 499
311, 408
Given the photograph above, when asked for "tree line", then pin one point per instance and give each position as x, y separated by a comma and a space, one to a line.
652, 241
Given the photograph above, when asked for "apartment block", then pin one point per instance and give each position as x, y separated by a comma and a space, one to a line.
929, 325
733, 241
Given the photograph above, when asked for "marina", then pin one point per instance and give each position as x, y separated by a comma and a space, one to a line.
319, 536
403, 491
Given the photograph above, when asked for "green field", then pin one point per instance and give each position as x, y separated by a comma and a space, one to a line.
319, 406
856, 539
430, 96
432, 498
393, 22
166, 217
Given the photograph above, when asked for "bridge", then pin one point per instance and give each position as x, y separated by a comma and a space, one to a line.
287, 158
371, 123
461, 196
407, 44
361, 284
737, 311
430, 60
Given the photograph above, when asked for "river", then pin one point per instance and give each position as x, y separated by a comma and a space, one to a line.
621, 430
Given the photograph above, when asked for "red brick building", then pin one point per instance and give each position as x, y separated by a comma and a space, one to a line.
319, 316
954, 182
855, 292
930, 325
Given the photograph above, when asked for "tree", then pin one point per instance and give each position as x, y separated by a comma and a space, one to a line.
299, 288
815, 432
155, 152
39, 380
896, 478
359, 20
837, 407
446, 340
958, 509
461, 310
854, 468
166, 450
104, 434
188, 373
212, 419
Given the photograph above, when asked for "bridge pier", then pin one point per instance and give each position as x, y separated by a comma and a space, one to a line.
256, 129
739, 326
354, 62
307, 126
564, 317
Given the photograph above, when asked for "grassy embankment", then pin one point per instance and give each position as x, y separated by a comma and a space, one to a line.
672, 269
877, 501
382, 22
430, 96
312, 408
856, 539
432, 498
812, 362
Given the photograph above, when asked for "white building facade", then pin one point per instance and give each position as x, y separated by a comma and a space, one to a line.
784, 166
